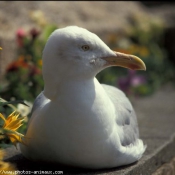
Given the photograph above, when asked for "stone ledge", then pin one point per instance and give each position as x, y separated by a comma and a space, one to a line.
156, 117
84, 14
167, 168
146, 166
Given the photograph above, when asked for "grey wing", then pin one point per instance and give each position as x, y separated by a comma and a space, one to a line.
126, 117
39, 102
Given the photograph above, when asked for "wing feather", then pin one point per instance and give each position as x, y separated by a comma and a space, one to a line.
126, 117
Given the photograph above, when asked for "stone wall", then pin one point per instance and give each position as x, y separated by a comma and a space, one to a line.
99, 17
166, 169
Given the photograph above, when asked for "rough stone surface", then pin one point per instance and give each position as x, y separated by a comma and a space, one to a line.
166, 169
93, 15
156, 114
156, 118
98, 17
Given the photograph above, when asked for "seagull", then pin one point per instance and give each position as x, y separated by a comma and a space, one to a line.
77, 121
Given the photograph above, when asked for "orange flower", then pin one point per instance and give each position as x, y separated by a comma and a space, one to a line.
133, 49
144, 51
112, 38
17, 64
40, 62
122, 50
12, 123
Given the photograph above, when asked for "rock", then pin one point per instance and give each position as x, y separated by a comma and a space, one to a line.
166, 169
95, 16
156, 123
99, 17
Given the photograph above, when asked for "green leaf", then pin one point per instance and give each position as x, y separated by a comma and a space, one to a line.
48, 30
2, 103
14, 102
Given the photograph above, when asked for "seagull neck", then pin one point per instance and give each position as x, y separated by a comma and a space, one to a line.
78, 86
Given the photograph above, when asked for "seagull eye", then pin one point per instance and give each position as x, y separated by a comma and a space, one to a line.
85, 47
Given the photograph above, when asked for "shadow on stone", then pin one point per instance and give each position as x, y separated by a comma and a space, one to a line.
24, 164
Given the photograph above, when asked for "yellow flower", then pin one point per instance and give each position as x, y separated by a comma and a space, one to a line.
5, 166
144, 51
12, 123
134, 49
112, 38
40, 62
0, 48
39, 17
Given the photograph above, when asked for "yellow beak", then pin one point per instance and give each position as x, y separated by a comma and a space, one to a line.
125, 60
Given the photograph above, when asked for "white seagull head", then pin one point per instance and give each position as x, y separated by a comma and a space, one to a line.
75, 53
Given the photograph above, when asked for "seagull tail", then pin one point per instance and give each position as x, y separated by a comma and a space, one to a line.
133, 152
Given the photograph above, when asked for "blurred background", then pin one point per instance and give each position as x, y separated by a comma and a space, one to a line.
145, 29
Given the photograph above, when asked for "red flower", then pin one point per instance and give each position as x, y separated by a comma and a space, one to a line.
20, 34
15, 65
34, 70
34, 33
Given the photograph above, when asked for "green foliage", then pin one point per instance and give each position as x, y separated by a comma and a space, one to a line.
24, 75
23, 78
143, 38
8, 107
